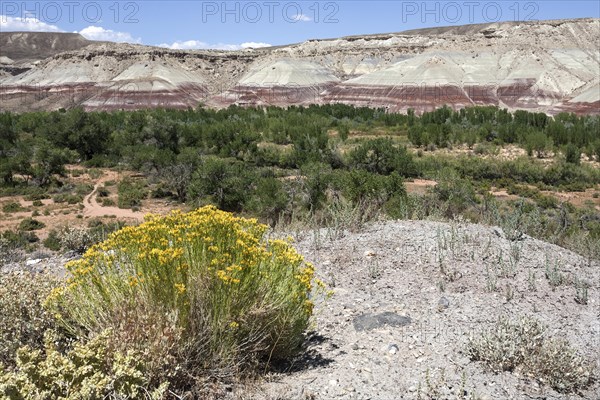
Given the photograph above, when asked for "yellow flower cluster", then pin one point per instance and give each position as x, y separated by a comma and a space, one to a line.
205, 262
164, 251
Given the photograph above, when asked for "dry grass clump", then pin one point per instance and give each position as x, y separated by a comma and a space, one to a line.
522, 345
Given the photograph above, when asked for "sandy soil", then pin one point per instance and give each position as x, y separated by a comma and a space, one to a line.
94, 210
419, 186
76, 215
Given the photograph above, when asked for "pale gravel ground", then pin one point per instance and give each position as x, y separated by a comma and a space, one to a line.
394, 266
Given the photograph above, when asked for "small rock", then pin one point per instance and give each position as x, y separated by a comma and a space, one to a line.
367, 322
412, 389
354, 346
393, 349
369, 253
32, 262
443, 304
333, 383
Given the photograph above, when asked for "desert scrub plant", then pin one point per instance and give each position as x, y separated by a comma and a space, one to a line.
522, 345
67, 198
23, 320
76, 239
204, 289
12, 207
30, 224
53, 241
90, 370
553, 275
131, 194
581, 292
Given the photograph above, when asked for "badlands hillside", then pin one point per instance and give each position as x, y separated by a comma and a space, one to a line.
549, 66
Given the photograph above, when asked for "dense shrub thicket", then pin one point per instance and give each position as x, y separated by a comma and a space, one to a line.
35, 146
236, 158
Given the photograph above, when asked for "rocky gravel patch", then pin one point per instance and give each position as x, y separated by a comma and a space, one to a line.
409, 294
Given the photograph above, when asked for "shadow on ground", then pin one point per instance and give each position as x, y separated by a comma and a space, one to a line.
309, 358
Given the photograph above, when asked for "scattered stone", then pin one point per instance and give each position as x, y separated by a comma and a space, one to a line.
443, 304
32, 262
393, 349
369, 254
367, 322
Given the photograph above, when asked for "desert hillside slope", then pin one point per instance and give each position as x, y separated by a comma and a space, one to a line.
549, 66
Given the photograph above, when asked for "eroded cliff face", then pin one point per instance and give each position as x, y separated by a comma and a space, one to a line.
548, 66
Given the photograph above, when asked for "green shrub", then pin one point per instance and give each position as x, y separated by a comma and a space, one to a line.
23, 320
572, 154
539, 143
130, 193
101, 230
30, 224
12, 207
269, 199
18, 239
94, 173
108, 202
359, 186
53, 242
522, 344
38, 194
83, 189
91, 370
200, 290
76, 239
67, 198
457, 193
381, 156
317, 177
221, 182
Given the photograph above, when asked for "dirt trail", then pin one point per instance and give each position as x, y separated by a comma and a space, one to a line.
94, 209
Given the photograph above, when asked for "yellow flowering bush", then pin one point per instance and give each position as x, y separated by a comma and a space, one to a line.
203, 289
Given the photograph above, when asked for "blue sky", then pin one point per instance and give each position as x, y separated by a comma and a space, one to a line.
238, 24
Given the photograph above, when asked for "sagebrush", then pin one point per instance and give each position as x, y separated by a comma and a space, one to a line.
523, 345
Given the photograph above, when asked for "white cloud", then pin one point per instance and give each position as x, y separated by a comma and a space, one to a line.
11, 24
254, 45
99, 33
197, 44
302, 17
31, 24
